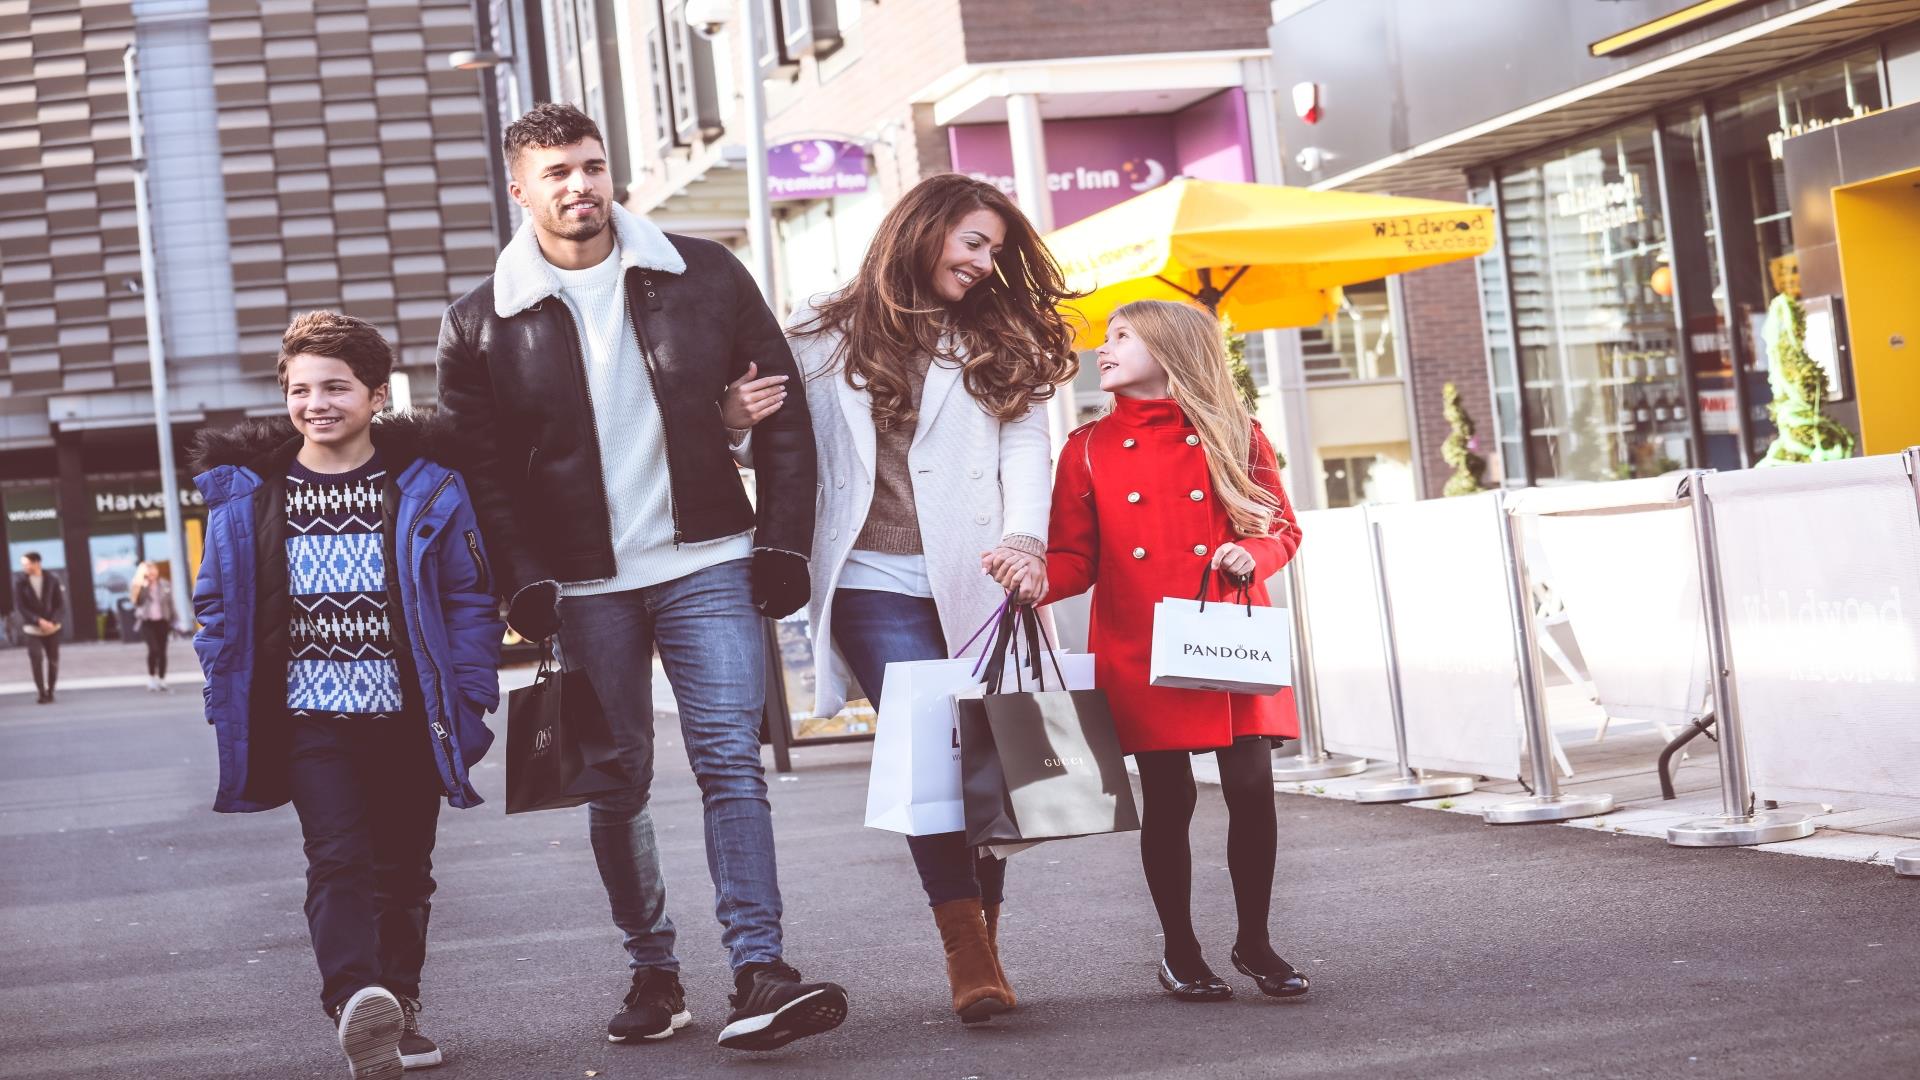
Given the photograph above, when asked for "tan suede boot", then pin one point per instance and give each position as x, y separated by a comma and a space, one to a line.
992, 912
978, 993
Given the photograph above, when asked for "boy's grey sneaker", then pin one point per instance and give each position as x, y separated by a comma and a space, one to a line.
772, 1007
370, 1026
416, 1050
655, 1007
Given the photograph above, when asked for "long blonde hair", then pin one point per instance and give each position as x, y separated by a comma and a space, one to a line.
140, 576
1186, 340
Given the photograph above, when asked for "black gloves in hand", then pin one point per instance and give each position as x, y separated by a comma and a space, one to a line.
780, 583
534, 611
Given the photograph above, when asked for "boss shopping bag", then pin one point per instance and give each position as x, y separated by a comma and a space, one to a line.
1041, 763
560, 750
1217, 645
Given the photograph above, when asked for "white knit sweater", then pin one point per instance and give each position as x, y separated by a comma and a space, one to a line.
632, 439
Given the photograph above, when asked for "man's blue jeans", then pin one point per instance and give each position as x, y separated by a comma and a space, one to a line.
873, 629
710, 641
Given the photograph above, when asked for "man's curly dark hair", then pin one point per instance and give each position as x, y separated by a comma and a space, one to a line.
547, 125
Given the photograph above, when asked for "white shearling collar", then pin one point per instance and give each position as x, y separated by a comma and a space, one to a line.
522, 277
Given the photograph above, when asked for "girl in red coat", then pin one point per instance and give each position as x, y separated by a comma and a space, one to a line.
1176, 479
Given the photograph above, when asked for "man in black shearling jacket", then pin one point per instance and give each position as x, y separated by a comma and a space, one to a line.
585, 380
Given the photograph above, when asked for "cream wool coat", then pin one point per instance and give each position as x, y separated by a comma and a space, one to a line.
976, 480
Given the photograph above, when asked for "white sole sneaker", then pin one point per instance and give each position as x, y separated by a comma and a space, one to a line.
680, 1019
811, 1014
423, 1061
370, 1035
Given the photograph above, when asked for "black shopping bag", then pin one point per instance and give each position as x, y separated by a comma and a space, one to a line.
560, 751
1039, 764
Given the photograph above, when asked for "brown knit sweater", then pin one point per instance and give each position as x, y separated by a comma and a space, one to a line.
893, 526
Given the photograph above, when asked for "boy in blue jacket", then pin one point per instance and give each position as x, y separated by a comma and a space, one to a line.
350, 640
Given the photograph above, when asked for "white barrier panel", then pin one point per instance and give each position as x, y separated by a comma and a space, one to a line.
1453, 632
1343, 615
1623, 562
1820, 570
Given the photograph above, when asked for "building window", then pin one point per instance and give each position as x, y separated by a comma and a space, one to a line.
690, 81
1365, 479
665, 132
1356, 343
1600, 368
1750, 127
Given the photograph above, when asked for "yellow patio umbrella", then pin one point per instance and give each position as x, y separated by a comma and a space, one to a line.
1266, 256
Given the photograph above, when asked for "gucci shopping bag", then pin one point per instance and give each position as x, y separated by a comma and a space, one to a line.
560, 750
913, 786
1041, 763
1237, 647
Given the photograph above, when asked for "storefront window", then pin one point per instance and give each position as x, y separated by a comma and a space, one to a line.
1599, 362
1490, 270
128, 527
1356, 343
1750, 128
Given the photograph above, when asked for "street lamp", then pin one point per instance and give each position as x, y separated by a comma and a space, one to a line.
156, 347
710, 19
485, 60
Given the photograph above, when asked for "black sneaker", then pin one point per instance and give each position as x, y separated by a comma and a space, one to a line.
772, 1007
416, 1050
655, 1008
370, 1024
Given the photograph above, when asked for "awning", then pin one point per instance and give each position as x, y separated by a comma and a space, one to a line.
1266, 256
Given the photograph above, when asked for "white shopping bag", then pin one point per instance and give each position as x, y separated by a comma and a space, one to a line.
914, 784
1221, 646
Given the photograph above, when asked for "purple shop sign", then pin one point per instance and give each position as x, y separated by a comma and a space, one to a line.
816, 169
1097, 162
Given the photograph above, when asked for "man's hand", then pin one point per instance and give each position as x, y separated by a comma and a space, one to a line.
48, 625
1021, 573
534, 611
781, 585
749, 400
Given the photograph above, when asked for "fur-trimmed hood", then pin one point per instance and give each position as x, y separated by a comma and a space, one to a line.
522, 277
402, 437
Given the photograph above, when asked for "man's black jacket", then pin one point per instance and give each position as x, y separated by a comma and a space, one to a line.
53, 597
513, 377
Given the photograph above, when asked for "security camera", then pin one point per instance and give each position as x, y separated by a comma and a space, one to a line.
709, 18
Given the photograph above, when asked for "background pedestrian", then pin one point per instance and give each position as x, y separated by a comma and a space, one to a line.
152, 597
40, 598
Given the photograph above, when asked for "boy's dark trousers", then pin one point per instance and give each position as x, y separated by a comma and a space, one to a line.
368, 795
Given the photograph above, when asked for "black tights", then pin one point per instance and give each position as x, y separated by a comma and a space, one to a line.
1246, 777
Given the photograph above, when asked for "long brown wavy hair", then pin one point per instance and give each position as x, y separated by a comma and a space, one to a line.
1007, 334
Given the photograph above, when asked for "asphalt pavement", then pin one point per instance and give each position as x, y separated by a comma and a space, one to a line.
147, 937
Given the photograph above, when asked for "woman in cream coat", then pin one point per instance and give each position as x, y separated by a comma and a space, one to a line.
927, 378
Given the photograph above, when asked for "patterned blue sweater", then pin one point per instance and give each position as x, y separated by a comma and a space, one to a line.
342, 663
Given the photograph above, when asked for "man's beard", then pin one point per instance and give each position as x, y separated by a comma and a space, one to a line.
575, 230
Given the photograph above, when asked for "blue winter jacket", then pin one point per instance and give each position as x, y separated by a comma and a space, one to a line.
450, 628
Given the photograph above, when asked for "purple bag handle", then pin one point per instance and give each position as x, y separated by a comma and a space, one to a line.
984, 627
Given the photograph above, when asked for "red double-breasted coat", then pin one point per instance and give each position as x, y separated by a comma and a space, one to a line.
1135, 519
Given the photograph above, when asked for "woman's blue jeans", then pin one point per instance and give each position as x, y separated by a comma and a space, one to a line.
873, 629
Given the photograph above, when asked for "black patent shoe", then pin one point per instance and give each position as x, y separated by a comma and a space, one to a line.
1209, 987
1285, 983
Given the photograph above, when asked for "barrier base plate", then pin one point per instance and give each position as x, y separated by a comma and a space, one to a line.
1297, 767
1907, 863
1771, 827
1548, 809
1412, 788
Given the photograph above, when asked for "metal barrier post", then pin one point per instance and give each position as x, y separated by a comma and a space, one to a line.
1548, 802
1738, 824
1409, 785
1312, 762
1907, 863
